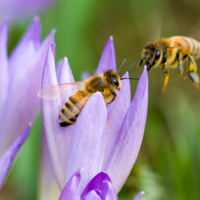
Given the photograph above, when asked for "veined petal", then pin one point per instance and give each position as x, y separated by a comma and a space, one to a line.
65, 76
130, 136
22, 99
26, 48
71, 190
96, 183
120, 107
92, 195
3, 67
138, 196
87, 140
8, 157
58, 138
108, 60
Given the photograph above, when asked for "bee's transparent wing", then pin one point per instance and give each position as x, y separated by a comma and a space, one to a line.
54, 92
76, 111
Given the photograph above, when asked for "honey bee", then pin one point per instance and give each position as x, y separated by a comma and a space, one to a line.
171, 52
108, 83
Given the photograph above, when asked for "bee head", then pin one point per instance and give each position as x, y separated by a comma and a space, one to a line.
114, 79
148, 51
151, 55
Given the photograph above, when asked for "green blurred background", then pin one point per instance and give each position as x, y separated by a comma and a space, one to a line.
168, 164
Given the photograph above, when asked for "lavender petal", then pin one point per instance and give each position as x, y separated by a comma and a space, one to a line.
48, 186
8, 157
4, 78
108, 191
130, 136
120, 107
138, 196
14, 10
22, 97
58, 138
26, 48
96, 183
108, 60
92, 195
65, 76
71, 189
87, 140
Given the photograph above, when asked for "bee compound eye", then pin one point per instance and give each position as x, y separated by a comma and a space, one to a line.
157, 54
164, 60
116, 83
102, 90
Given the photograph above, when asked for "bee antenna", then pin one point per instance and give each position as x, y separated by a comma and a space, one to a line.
121, 65
135, 63
130, 78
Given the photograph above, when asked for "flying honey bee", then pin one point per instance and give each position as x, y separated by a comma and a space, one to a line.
171, 52
108, 83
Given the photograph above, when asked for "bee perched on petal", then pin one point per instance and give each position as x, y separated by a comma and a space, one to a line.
170, 53
108, 83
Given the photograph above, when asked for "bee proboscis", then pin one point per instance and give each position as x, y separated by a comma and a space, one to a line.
108, 83
171, 52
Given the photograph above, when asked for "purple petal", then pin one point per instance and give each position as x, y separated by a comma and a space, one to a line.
138, 196
108, 60
130, 136
4, 65
87, 142
48, 186
92, 195
96, 183
71, 189
58, 138
108, 191
21, 9
26, 48
120, 107
8, 157
22, 97
65, 76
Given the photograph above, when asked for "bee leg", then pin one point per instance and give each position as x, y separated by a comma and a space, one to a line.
192, 69
139, 65
166, 78
180, 66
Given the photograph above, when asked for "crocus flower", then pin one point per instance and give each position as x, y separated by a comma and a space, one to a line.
102, 139
20, 79
21, 9
8, 157
99, 188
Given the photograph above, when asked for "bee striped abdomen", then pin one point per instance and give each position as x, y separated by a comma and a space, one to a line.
71, 109
189, 45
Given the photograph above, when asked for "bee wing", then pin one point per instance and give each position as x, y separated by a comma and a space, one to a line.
54, 92
76, 111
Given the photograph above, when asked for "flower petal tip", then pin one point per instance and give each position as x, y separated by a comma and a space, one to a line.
52, 49
142, 192
66, 59
53, 31
111, 38
36, 19
138, 196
